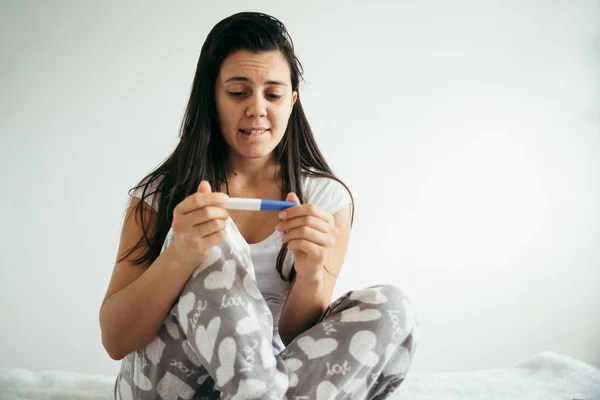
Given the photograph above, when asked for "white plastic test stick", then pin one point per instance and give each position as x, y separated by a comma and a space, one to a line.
239, 203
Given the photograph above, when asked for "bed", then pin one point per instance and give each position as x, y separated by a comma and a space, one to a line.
545, 376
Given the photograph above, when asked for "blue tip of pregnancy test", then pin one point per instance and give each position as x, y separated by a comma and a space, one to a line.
275, 205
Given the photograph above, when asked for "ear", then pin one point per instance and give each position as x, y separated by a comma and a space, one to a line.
294, 98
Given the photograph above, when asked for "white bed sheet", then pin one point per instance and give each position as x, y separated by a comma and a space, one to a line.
546, 376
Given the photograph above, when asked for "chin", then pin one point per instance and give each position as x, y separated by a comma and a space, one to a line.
255, 151
253, 154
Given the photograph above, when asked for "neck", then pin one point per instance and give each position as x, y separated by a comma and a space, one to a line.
250, 172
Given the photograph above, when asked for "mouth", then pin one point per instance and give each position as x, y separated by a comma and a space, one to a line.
250, 133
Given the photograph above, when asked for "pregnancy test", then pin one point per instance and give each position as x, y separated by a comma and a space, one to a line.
239, 203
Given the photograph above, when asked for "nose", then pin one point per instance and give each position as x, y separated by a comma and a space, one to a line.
257, 107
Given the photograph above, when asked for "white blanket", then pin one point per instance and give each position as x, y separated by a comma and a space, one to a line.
546, 376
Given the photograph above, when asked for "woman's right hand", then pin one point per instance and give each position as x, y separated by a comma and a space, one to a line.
199, 224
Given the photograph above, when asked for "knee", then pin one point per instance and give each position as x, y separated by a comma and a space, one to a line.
398, 318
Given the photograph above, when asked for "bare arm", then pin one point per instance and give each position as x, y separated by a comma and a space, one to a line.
308, 298
139, 297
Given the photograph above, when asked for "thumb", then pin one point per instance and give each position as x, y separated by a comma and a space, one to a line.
292, 197
204, 187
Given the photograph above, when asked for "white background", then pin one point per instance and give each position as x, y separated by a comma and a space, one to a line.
469, 132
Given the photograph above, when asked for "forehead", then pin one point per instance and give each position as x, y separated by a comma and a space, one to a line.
256, 67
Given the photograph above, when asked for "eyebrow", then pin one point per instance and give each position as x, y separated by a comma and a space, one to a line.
244, 79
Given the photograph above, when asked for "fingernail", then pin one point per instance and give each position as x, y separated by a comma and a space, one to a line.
223, 197
278, 227
282, 214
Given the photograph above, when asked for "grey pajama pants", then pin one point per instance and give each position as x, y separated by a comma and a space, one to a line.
216, 343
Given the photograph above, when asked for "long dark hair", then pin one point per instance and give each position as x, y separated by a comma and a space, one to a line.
202, 151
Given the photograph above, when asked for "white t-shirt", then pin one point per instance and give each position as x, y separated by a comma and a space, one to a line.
327, 194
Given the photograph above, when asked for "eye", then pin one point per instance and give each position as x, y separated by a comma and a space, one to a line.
274, 96
237, 94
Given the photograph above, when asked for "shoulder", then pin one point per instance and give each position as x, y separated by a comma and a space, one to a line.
326, 193
148, 190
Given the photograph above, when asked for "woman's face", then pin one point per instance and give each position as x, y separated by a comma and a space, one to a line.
254, 100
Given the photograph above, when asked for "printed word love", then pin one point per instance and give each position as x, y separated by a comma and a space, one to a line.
399, 333
200, 306
337, 369
329, 329
177, 364
249, 353
227, 302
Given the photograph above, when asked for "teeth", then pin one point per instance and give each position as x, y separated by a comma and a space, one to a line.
254, 131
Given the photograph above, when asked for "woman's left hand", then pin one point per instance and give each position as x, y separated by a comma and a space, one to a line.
310, 234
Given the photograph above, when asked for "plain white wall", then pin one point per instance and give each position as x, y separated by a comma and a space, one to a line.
469, 132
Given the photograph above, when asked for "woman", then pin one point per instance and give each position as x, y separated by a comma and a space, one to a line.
207, 302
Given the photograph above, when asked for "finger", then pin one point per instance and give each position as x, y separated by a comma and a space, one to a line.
308, 234
204, 187
205, 214
306, 209
198, 217
208, 228
292, 197
215, 238
313, 251
209, 241
306, 220
199, 200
